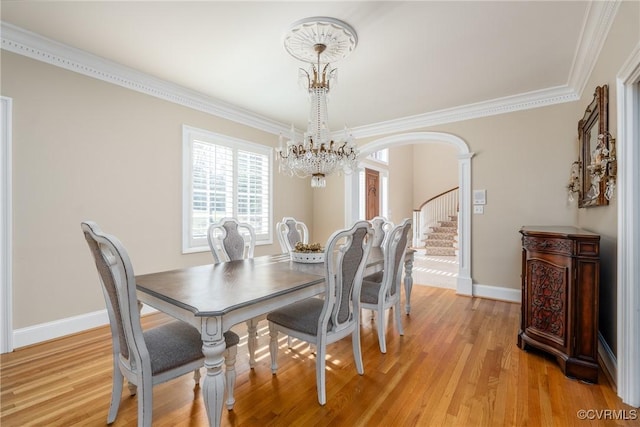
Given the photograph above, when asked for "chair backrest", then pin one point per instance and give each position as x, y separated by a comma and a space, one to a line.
291, 231
231, 240
381, 227
119, 289
395, 248
346, 256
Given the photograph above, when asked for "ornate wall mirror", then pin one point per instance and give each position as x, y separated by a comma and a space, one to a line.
595, 148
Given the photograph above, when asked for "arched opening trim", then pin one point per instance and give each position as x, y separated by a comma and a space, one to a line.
464, 284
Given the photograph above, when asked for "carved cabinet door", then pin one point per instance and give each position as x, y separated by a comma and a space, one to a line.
548, 296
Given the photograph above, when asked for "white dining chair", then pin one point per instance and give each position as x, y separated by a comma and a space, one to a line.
232, 240
382, 295
291, 231
381, 226
325, 321
149, 357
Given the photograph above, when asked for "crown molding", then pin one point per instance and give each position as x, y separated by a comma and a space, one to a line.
598, 20
492, 107
597, 23
35, 46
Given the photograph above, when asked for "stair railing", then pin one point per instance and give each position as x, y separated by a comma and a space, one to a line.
436, 209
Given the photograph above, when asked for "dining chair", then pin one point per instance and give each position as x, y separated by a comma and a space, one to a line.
384, 294
232, 240
380, 228
149, 357
324, 321
291, 231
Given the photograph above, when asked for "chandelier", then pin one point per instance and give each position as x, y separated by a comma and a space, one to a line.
318, 41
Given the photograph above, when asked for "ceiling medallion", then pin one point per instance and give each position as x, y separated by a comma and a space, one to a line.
338, 37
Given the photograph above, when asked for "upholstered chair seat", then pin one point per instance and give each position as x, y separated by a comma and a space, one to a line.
373, 277
177, 343
302, 316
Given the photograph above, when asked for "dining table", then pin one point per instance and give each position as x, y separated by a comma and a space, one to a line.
215, 297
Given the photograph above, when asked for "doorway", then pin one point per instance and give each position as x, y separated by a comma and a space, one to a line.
372, 185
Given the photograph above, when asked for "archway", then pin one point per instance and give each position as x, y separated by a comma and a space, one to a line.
464, 285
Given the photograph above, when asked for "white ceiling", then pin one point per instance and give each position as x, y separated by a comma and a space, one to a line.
412, 58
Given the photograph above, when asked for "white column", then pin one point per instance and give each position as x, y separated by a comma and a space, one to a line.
465, 283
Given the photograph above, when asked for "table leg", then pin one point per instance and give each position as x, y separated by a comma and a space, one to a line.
252, 341
408, 282
213, 387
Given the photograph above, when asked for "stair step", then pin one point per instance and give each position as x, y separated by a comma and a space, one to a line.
440, 251
439, 243
450, 230
453, 224
440, 236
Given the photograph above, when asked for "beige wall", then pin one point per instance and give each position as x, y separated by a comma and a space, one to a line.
435, 170
328, 209
401, 183
85, 149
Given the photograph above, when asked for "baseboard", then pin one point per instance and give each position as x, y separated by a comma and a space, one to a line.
497, 293
59, 328
608, 361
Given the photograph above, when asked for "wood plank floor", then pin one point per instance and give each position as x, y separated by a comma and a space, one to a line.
456, 365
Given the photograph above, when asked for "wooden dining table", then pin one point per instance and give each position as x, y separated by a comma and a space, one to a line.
215, 297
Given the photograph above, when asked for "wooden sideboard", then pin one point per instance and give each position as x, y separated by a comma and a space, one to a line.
560, 283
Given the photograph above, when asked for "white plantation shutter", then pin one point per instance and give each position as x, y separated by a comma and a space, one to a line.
212, 187
224, 177
253, 191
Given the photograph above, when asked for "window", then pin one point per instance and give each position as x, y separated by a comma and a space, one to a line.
224, 176
381, 156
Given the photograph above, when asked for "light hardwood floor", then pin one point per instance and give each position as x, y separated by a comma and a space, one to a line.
456, 365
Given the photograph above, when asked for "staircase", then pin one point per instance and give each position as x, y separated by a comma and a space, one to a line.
443, 238
437, 221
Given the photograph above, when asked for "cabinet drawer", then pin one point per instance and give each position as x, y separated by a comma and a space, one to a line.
547, 244
588, 248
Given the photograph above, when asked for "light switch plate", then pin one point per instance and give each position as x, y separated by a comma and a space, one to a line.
478, 209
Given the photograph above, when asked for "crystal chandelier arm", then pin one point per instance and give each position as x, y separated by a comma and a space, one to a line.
304, 78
